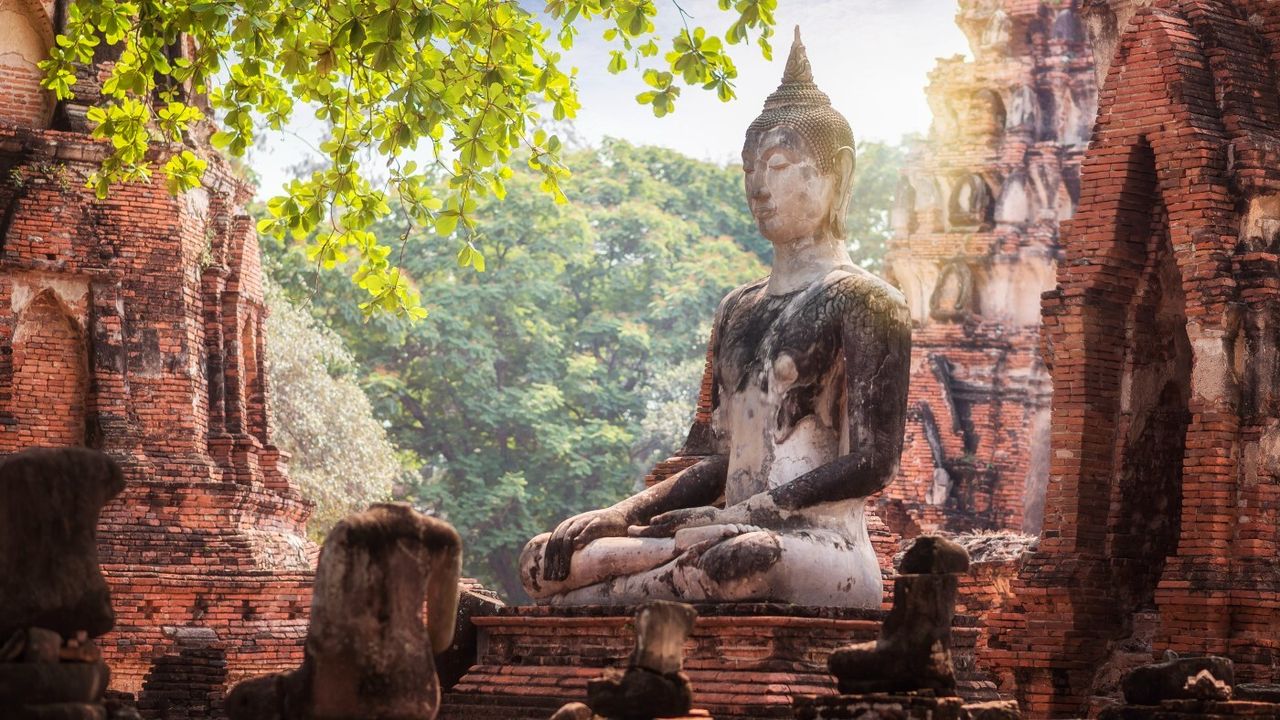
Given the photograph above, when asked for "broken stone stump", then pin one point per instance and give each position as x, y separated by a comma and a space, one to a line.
53, 598
913, 651
905, 674
453, 663
1189, 678
367, 653
1191, 688
653, 684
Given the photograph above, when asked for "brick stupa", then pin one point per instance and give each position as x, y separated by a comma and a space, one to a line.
135, 325
1161, 514
975, 243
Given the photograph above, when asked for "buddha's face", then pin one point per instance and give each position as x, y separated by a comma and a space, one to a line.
789, 195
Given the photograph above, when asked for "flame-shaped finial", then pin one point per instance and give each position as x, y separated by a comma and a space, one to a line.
798, 68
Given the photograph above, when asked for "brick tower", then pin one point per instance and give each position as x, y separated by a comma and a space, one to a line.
975, 243
135, 325
1160, 527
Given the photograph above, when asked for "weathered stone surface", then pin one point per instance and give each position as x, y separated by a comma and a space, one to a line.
462, 652
1151, 684
639, 694
913, 650
1257, 692
809, 375
661, 631
49, 506
652, 685
367, 651
34, 645
934, 555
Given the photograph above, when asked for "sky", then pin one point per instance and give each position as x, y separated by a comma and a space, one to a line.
871, 56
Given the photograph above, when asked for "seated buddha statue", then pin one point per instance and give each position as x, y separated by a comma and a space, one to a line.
810, 368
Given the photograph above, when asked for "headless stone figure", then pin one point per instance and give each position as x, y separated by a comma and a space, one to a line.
914, 649
810, 371
53, 598
367, 652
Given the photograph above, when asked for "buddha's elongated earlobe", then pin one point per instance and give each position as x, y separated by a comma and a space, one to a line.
842, 166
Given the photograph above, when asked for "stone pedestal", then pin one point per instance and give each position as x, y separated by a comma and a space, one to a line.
744, 660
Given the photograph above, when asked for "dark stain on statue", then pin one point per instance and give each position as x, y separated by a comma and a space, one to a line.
742, 557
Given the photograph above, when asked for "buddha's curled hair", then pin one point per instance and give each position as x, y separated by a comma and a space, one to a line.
801, 106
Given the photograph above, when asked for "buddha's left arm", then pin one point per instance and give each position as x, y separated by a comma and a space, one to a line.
877, 354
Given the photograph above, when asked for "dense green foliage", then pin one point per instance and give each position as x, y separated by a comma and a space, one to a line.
429, 87
341, 458
527, 399
875, 180
552, 383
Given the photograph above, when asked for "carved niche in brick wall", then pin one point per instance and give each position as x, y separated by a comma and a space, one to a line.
1013, 207
952, 298
986, 117
44, 396
971, 203
26, 35
1067, 27
996, 34
1022, 108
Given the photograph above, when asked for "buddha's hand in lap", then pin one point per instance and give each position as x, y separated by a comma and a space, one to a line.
758, 510
667, 523
573, 534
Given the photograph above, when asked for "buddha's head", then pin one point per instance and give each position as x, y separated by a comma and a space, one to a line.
798, 159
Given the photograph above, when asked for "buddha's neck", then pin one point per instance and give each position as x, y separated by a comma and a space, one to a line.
799, 263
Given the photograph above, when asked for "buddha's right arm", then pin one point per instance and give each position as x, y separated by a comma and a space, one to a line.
698, 485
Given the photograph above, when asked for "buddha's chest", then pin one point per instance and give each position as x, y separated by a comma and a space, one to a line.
772, 344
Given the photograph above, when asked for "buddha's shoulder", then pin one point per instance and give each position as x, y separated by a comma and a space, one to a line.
855, 288
746, 289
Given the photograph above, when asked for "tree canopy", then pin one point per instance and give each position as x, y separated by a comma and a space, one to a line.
536, 394
433, 89
340, 456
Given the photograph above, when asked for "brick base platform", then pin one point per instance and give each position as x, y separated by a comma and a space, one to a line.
745, 661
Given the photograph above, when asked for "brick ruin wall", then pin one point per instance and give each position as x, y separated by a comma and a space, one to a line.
1160, 527
975, 243
135, 325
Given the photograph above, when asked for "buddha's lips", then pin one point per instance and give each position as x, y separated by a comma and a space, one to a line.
764, 213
